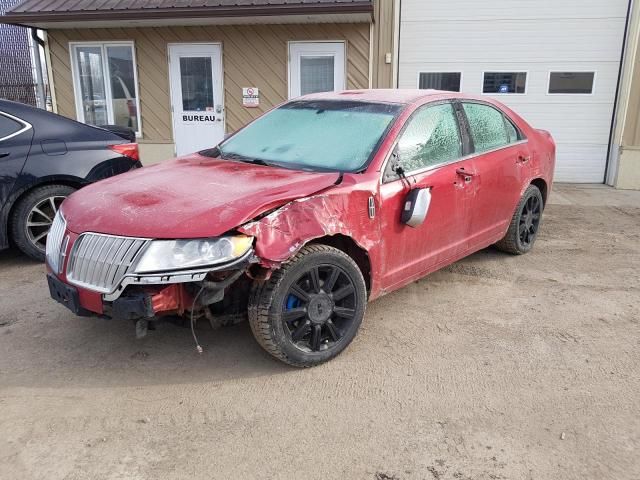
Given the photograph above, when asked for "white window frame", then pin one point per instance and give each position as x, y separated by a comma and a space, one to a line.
321, 49
526, 83
441, 71
77, 92
593, 85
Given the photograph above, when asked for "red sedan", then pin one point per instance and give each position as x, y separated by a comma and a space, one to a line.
304, 215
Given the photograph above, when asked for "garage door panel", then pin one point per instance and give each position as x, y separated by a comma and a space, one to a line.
580, 163
424, 11
605, 81
563, 40
537, 37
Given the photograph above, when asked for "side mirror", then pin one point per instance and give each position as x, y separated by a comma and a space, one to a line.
416, 207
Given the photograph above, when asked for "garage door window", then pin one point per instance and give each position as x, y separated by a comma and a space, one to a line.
431, 138
449, 81
571, 83
488, 128
504, 83
105, 84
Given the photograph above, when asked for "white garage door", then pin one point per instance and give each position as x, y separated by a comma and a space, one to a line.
555, 62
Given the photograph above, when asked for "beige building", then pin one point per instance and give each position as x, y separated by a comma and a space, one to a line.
182, 74
624, 161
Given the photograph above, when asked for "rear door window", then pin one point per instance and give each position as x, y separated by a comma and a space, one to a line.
488, 127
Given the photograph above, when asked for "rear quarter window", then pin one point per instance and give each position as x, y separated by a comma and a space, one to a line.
8, 127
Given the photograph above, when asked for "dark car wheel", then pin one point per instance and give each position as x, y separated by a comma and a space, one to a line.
33, 216
524, 226
310, 310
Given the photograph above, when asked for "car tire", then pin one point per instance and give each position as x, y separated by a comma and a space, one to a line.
310, 309
525, 223
38, 207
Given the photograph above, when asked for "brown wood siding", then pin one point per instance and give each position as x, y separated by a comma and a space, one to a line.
382, 43
252, 56
631, 135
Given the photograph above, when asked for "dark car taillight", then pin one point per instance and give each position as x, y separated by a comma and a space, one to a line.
127, 149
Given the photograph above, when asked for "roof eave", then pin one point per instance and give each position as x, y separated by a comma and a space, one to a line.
51, 18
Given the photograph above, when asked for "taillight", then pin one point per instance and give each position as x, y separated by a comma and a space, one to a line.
127, 149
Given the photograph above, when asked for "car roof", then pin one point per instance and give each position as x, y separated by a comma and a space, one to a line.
404, 96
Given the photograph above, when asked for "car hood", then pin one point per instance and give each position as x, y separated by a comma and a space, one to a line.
190, 197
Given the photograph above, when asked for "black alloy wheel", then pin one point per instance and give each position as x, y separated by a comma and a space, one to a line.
319, 308
530, 221
525, 223
311, 308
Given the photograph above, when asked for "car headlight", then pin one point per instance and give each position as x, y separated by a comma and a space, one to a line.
164, 255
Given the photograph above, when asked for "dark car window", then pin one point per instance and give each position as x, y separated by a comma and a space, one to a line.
432, 137
8, 127
488, 128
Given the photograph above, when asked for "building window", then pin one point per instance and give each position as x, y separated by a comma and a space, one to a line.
505, 82
571, 83
105, 84
316, 67
449, 81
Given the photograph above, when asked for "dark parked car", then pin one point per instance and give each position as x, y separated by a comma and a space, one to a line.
43, 159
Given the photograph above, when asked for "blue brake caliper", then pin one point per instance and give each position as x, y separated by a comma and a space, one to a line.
292, 302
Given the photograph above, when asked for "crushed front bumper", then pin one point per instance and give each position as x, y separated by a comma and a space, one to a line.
141, 296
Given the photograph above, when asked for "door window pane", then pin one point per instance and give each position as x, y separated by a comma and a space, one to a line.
431, 138
571, 82
316, 74
92, 88
487, 127
8, 126
123, 86
505, 82
196, 78
449, 81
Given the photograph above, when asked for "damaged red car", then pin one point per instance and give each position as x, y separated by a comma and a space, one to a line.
303, 216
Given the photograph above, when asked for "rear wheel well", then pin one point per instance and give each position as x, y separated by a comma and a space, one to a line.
24, 193
542, 186
351, 248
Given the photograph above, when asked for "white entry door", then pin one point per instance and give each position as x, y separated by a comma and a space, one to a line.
316, 67
197, 98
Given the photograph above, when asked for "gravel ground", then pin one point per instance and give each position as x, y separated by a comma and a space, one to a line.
497, 367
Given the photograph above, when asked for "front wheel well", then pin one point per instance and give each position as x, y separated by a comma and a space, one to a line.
542, 186
348, 245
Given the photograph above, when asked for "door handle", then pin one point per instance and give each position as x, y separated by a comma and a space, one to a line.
4, 154
523, 158
468, 176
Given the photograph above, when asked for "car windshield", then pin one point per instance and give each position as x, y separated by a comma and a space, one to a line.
316, 135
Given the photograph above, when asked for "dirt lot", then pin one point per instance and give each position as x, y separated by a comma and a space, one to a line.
496, 368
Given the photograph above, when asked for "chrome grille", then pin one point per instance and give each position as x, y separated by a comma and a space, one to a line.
99, 262
54, 252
